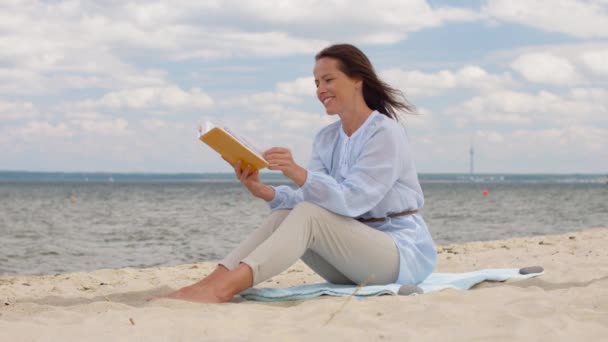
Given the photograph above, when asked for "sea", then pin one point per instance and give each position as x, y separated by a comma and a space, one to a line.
65, 222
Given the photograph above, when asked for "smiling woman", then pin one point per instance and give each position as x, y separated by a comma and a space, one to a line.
354, 217
345, 60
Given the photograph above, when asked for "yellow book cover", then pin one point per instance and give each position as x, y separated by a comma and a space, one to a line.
232, 146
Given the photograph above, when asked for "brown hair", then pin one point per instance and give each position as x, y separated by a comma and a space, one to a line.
377, 94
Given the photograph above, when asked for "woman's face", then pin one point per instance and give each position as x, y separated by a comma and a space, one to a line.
336, 91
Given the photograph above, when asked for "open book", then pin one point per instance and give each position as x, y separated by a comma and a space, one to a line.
231, 146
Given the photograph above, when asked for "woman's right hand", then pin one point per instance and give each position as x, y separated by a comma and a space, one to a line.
251, 180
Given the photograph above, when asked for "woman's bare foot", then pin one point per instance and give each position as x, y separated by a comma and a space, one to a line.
219, 287
219, 271
200, 293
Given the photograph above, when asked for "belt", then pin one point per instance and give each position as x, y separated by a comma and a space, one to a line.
403, 213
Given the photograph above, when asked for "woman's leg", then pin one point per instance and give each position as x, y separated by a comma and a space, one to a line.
270, 224
231, 261
358, 252
355, 250
323, 268
200, 290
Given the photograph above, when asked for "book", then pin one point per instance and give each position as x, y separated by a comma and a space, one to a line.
232, 146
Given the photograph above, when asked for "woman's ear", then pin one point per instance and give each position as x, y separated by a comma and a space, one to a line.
359, 84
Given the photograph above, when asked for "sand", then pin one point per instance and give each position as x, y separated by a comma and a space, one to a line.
568, 302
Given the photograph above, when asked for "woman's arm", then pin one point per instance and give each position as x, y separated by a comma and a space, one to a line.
251, 180
280, 159
368, 181
370, 178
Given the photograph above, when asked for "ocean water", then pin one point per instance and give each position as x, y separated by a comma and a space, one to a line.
53, 223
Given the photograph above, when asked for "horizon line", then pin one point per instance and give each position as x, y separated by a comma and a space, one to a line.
267, 172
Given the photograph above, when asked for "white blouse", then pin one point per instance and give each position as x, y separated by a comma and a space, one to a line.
369, 174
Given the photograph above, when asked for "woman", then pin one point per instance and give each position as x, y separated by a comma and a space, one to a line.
354, 217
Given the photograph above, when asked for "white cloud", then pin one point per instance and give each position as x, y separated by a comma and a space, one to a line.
576, 139
17, 110
584, 19
417, 83
154, 124
54, 54
298, 121
212, 44
303, 86
334, 19
105, 127
560, 64
545, 68
423, 119
596, 60
290, 92
260, 99
39, 130
490, 136
518, 108
68, 34
153, 98
598, 96
21, 81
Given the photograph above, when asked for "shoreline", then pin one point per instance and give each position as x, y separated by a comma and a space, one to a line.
569, 300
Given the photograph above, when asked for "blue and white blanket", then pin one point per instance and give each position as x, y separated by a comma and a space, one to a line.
435, 282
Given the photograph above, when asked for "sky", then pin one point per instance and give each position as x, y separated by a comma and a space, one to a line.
121, 86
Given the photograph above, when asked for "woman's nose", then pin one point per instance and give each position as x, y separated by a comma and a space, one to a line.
320, 90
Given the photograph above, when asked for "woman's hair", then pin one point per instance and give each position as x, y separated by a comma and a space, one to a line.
377, 94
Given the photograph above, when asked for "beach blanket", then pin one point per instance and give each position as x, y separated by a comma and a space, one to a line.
435, 282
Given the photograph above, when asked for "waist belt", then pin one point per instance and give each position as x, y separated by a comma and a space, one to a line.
403, 213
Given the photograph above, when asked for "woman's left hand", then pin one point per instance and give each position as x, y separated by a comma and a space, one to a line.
280, 158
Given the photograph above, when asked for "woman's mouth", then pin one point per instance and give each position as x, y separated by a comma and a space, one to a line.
327, 100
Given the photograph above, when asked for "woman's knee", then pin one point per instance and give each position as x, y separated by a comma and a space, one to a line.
277, 217
309, 209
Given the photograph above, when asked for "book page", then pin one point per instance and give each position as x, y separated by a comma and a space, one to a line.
245, 142
202, 129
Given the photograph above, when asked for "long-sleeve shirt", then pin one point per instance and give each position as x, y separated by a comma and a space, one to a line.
369, 174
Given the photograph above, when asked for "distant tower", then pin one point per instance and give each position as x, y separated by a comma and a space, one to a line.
472, 160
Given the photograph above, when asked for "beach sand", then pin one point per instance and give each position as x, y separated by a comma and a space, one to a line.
568, 302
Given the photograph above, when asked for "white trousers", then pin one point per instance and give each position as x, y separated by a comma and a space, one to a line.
340, 249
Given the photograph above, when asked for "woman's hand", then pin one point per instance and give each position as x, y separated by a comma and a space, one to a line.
251, 180
280, 159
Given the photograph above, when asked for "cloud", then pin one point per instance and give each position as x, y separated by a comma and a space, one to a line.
40, 130
290, 92
575, 139
78, 76
22, 82
17, 110
423, 119
598, 96
417, 83
490, 136
69, 35
104, 127
215, 44
579, 63
545, 68
333, 19
154, 124
583, 19
561, 150
303, 86
596, 60
519, 108
154, 99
